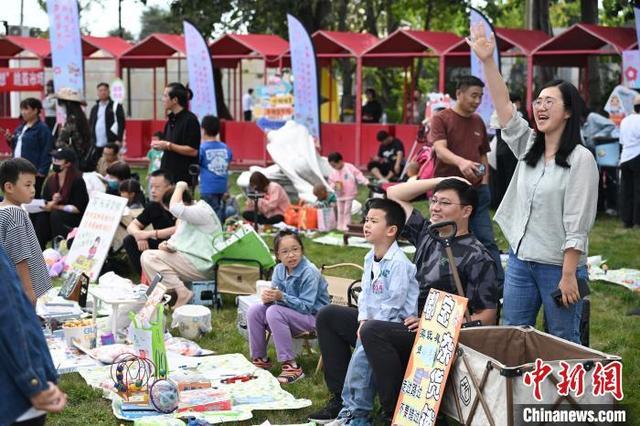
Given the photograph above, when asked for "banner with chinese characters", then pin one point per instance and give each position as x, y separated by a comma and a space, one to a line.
21, 79
95, 233
486, 106
66, 45
200, 73
305, 78
431, 358
274, 105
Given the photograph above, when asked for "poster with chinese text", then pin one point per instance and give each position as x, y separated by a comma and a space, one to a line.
21, 79
631, 68
95, 233
431, 359
200, 73
66, 45
305, 78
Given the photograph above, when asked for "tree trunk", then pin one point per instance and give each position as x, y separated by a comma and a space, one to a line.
537, 18
346, 67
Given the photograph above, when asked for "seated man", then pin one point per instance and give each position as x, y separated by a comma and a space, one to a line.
154, 214
109, 156
388, 345
387, 165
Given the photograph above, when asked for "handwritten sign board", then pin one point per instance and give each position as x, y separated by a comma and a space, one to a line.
431, 358
95, 233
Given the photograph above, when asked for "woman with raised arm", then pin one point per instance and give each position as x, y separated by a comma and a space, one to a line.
550, 204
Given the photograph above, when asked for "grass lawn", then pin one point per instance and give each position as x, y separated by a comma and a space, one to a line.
611, 331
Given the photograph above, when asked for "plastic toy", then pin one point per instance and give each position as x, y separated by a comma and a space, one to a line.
131, 376
164, 396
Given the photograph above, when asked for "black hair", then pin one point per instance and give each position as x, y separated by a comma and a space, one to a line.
394, 214
259, 181
102, 84
180, 92
467, 81
334, 157
210, 125
133, 186
119, 170
32, 103
250, 91
186, 197
49, 83
467, 194
159, 134
76, 114
371, 92
382, 135
114, 146
636, 108
10, 170
515, 97
571, 133
164, 173
286, 233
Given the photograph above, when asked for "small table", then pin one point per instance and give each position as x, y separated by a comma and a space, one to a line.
106, 295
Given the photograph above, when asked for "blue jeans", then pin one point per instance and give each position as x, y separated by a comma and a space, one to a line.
222, 210
482, 228
359, 388
528, 285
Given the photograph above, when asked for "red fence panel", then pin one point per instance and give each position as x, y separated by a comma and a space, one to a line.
339, 137
368, 142
247, 142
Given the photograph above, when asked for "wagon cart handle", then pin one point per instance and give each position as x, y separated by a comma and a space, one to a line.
446, 242
444, 239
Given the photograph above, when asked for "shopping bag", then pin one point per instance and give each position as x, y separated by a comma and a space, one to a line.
292, 214
148, 340
243, 243
308, 218
326, 219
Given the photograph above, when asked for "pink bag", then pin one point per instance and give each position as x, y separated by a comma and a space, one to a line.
326, 219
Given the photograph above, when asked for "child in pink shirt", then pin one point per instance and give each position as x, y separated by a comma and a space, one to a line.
344, 181
272, 206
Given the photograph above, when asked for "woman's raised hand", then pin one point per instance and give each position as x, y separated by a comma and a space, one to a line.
481, 45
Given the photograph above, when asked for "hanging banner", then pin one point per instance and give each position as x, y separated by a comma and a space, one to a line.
66, 46
636, 12
200, 66
21, 79
274, 105
305, 78
631, 68
431, 359
486, 106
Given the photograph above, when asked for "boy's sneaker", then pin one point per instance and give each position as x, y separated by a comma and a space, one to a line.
290, 374
327, 413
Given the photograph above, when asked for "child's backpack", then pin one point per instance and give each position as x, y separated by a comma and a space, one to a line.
426, 158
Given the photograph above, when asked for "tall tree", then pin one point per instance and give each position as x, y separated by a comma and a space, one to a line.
158, 20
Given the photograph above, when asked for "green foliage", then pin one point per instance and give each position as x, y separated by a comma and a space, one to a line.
126, 34
616, 13
564, 13
157, 20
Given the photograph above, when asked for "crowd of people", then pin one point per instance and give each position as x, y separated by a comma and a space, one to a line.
546, 214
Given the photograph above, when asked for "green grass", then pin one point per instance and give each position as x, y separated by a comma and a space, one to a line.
611, 331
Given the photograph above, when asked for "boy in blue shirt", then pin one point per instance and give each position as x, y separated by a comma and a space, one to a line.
215, 157
389, 293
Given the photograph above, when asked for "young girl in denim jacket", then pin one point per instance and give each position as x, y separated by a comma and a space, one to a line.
288, 309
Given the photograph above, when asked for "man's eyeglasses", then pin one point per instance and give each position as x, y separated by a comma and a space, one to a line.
444, 203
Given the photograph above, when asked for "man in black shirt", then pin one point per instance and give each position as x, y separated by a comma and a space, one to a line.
154, 214
388, 345
181, 134
387, 165
372, 110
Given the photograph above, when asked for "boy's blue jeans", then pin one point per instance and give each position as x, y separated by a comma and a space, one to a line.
481, 226
222, 210
528, 285
359, 387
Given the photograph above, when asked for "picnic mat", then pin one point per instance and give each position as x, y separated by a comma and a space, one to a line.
335, 239
626, 277
262, 393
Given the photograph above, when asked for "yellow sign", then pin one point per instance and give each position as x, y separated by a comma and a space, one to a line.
431, 358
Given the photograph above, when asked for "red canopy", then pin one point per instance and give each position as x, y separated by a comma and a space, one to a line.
114, 46
401, 46
153, 51
10, 46
229, 49
572, 47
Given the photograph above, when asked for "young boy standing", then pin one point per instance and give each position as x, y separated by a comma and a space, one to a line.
389, 293
17, 180
215, 157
